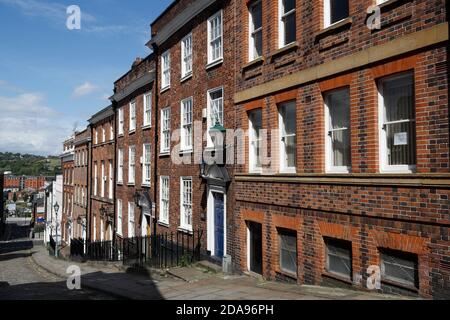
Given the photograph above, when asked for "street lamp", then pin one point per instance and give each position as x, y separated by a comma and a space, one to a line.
56, 207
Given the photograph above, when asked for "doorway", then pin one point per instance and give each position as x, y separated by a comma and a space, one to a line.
254, 246
218, 224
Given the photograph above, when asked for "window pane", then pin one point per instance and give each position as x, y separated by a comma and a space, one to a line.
399, 266
288, 5
289, 29
257, 15
288, 252
339, 10
339, 259
257, 38
338, 103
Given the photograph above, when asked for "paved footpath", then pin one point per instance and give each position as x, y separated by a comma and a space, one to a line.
209, 286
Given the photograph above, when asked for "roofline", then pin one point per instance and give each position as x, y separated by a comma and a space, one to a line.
150, 56
164, 12
93, 119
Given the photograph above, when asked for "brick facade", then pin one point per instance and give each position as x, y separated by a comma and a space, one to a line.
142, 134
66, 208
371, 210
195, 86
81, 189
101, 215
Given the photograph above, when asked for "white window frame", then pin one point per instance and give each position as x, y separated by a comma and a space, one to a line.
110, 182
146, 164
132, 122
165, 130
131, 220
95, 179
102, 186
103, 133
121, 121
120, 165
164, 199
252, 55
383, 155
186, 124
165, 70
218, 38
96, 135
253, 168
281, 25
131, 164
111, 131
186, 56
147, 118
327, 14
119, 217
282, 134
185, 203
209, 110
329, 167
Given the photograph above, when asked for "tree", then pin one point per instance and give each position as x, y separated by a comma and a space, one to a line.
15, 197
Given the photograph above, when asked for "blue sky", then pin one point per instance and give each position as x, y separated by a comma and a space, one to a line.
53, 79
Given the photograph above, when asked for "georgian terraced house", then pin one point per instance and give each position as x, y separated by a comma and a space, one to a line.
194, 42
135, 148
344, 167
66, 207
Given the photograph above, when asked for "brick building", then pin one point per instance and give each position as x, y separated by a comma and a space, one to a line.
194, 43
82, 153
356, 169
66, 208
135, 148
12, 182
35, 183
101, 213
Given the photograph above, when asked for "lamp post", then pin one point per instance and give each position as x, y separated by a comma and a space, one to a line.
56, 207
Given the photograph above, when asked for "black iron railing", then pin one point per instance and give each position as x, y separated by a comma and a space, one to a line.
159, 251
52, 243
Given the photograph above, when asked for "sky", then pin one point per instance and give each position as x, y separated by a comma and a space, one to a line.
53, 79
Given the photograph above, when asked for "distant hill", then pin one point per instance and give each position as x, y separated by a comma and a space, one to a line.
28, 164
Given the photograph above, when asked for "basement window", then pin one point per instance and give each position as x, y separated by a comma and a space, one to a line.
288, 251
399, 267
339, 258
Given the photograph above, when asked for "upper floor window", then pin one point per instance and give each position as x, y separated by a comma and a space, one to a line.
103, 181
337, 122
111, 131
110, 180
215, 110
165, 70
131, 224
255, 140
120, 166
146, 164
164, 199
186, 124
255, 44
103, 133
96, 135
186, 56
397, 123
119, 216
147, 109
165, 130
95, 179
288, 129
335, 11
131, 164
215, 45
132, 116
121, 121
288, 25
186, 203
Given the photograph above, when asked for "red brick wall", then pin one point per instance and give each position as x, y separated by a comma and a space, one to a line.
141, 135
81, 170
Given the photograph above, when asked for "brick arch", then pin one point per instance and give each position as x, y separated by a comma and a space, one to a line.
402, 242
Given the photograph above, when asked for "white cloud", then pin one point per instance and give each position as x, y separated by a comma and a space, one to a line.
84, 90
28, 125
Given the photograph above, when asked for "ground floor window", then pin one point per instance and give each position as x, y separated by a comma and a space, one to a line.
288, 251
399, 267
339, 257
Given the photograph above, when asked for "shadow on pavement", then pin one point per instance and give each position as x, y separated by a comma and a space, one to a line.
11, 256
7, 247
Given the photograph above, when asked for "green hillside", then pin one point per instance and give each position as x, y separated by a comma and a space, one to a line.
28, 164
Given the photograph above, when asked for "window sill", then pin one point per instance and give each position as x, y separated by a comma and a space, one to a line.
120, 135
164, 154
120, 183
283, 50
186, 151
148, 126
146, 185
214, 63
186, 77
287, 274
335, 27
163, 224
399, 285
165, 89
385, 6
337, 277
185, 230
132, 131
288, 171
131, 184
253, 63
337, 170
393, 170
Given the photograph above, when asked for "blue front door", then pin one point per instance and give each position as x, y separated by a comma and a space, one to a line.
218, 224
